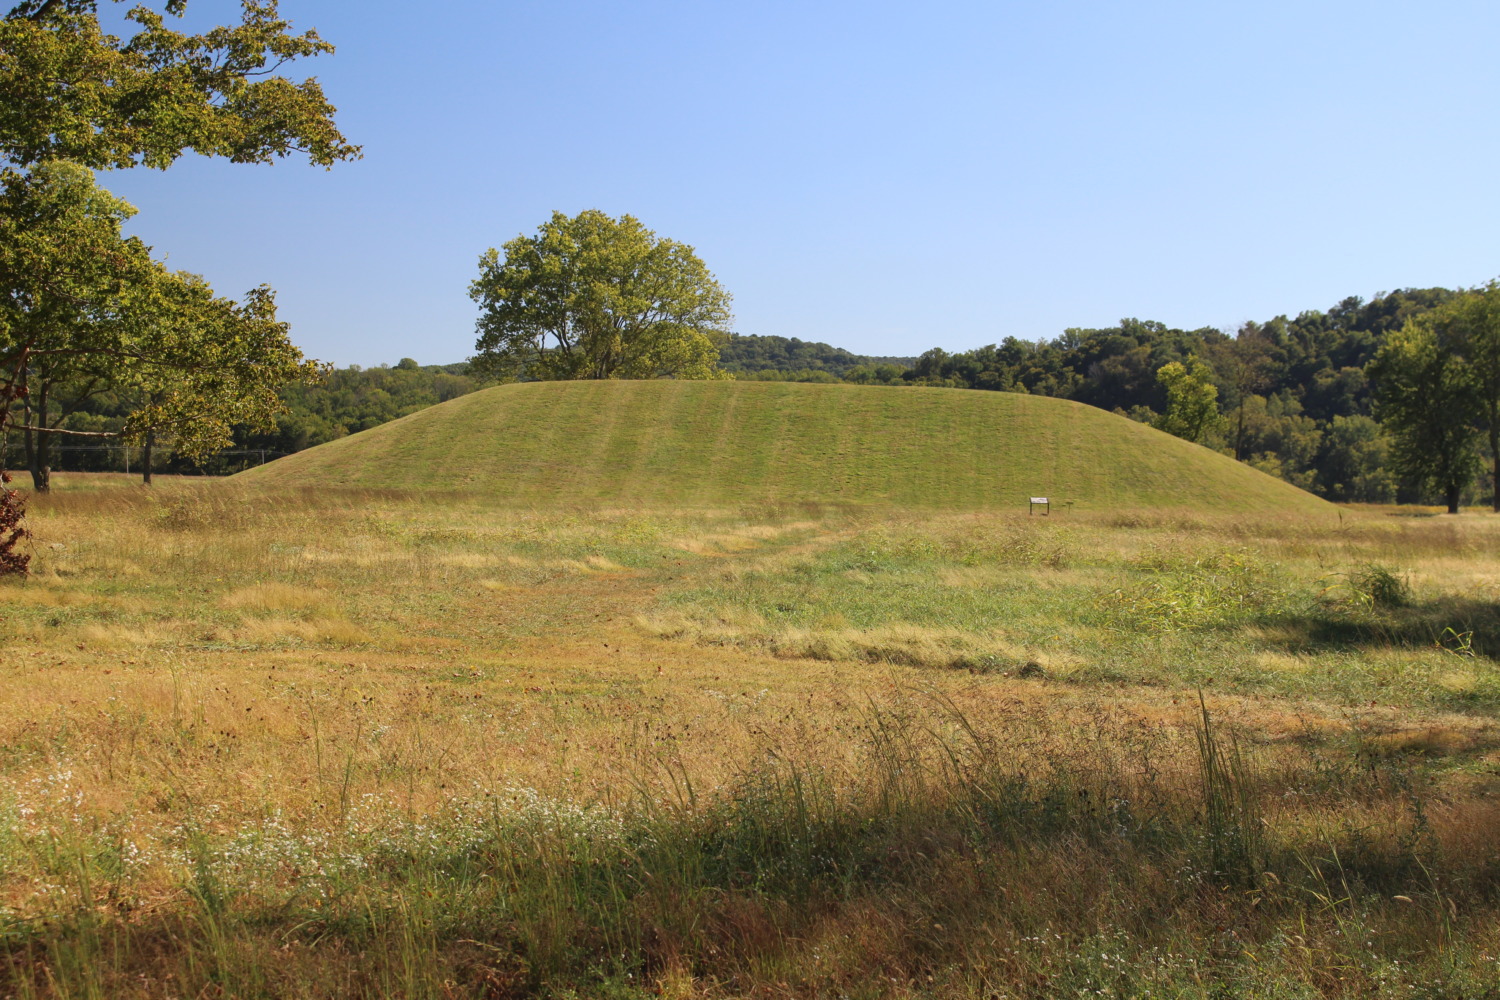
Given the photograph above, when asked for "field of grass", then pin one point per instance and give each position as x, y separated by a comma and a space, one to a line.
666, 444
372, 742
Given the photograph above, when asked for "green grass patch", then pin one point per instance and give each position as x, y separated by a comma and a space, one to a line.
1095, 604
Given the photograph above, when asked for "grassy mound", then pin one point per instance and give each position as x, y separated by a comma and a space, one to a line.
706, 444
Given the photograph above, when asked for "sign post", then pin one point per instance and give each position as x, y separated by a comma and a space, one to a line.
1041, 502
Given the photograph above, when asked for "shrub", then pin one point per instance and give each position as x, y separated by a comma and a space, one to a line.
12, 531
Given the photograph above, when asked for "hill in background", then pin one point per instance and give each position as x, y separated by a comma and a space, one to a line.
748, 353
712, 444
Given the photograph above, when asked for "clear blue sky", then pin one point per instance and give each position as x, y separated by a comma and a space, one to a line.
884, 177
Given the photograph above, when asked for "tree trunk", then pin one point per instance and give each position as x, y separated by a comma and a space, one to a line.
1453, 499
1495, 457
41, 463
28, 443
39, 447
146, 457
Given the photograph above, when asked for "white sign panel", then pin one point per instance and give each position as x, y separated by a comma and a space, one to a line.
1039, 500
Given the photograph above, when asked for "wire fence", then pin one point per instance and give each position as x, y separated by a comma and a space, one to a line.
127, 458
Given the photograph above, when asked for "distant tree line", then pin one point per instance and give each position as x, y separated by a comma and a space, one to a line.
756, 357
348, 400
1293, 396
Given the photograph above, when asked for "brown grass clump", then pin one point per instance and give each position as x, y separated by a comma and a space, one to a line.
276, 597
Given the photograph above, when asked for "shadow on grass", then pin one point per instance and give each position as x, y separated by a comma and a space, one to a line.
1023, 874
1465, 627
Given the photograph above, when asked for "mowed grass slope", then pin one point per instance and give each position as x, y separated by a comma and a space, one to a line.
706, 444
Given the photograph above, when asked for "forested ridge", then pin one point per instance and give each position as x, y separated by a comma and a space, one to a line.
769, 358
1293, 396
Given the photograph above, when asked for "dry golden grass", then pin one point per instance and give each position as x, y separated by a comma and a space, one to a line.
302, 599
197, 658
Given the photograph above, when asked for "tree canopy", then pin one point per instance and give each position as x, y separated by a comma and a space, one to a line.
103, 315
592, 297
1429, 402
1471, 323
1437, 384
84, 310
1192, 399
69, 90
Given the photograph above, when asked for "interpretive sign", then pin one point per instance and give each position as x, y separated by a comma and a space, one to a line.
1041, 502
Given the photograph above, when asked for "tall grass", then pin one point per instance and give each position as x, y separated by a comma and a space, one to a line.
1232, 820
947, 859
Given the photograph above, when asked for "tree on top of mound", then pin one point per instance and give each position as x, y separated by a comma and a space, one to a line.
591, 297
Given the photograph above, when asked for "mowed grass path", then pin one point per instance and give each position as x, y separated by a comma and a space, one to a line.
674, 444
